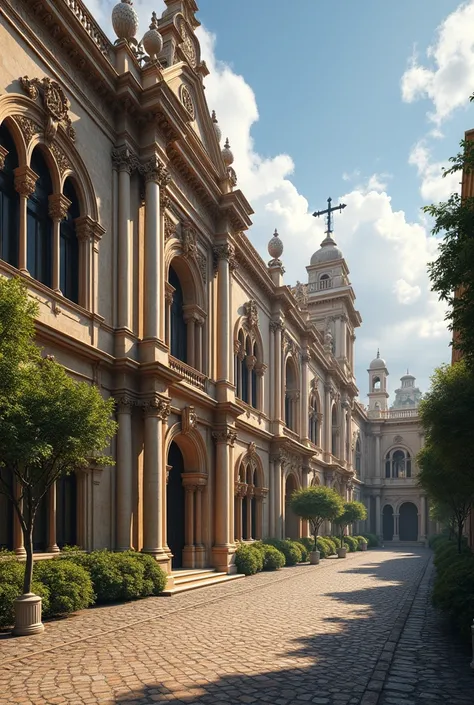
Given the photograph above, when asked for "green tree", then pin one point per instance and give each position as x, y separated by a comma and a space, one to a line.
50, 425
447, 485
452, 273
352, 512
316, 504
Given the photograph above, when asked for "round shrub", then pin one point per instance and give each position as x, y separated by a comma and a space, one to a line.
104, 572
454, 591
372, 539
304, 551
154, 578
289, 548
273, 558
308, 543
336, 541
331, 545
433, 541
352, 543
361, 539
70, 586
246, 560
258, 549
132, 572
11, 587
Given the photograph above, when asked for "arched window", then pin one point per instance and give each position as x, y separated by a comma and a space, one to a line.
69, 247
178, 332
398, 463
313, 420
248, 369
324, 281
291, 395
9, 201
249, 496
334, 432
376, 384
358, 457
39, 223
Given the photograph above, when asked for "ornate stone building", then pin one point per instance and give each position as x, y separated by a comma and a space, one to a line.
119, 208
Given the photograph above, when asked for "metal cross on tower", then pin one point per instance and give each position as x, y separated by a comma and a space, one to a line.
329, 210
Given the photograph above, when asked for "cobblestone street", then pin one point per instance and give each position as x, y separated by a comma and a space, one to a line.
359, 631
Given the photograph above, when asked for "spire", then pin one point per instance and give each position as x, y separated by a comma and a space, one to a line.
378, 353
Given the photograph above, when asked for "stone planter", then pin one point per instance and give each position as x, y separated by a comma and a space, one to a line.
314, 557
362, 546
27, 615
341, 552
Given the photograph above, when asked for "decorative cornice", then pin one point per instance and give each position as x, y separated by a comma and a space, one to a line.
55, 104
28, 127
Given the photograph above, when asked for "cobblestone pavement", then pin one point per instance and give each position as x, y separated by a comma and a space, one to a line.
353, 632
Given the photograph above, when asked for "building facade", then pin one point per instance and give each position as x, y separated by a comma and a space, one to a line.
119, 208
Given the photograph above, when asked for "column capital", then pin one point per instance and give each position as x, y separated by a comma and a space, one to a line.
226, 435
157, 406
261, 368
87, 228
155, 171
58, 206
3, 155
123, 159
226, 251
25, 180
276, 325
125, 404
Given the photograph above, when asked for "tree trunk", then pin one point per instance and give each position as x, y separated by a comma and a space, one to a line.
315, 539
28, 540
460, 528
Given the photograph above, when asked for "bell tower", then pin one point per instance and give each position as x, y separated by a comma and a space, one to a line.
378, 394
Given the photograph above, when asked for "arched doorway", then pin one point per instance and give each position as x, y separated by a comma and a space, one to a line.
387, 523
292, 522
408, 526
66, 513
175, 506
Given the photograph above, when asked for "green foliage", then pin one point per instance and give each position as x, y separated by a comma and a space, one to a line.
317, 504
154, 577
308, 543
436, 540
453, 590
304, 551
290, 549
361, 539
273, 558
352, 512
372, 540
246, 560
69, 585
336, 541
11, 582
329, 546
352, 543
451, 273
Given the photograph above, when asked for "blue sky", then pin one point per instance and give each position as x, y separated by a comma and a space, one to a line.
364, 102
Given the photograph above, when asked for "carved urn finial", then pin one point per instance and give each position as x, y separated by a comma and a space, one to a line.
275, 246
125, 21
152, 40
217, 129
227, 155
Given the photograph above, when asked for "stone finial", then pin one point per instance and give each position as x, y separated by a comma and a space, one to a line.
227, 155
125, 21
217, 129
275, 246
152, 40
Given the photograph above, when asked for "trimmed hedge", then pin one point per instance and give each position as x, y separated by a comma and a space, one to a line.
352, 543
247, 559
453, 591
361, 539
304, 551
290, 549
307, 542
273, 558
372, 540
69, 585
11, 587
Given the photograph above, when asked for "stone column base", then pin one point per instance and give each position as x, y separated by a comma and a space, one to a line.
223, 559
27, 615
200, 556
189, 559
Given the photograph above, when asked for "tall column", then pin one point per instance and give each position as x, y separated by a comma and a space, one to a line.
198, 516
154, 488
189, 514
52, 516
199, 343
169, 291
277, 327
238, 515
396, 527
259, 513
327, 419
58, 208
277, 499
250, 496
377, 515
85, 228
225, 256
25, 184
124, 162
304, 411
305, 483
191, 339
342, 439
378, 468
124, 487
153, 249
319, 429
18, 541
224, 440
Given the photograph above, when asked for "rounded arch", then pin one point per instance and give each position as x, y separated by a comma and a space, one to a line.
187, 272
191, 445
388, 521
252, 459
240, 329
408, 512
14, 106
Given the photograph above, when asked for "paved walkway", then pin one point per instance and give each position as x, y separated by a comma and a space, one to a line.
354, 632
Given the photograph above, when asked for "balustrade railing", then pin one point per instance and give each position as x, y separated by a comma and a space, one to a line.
190, 375
92, 28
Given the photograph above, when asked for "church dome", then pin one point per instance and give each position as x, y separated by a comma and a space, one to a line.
328, 252
378, 363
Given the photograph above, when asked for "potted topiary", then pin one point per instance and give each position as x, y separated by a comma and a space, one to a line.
352, 511
316, 504
362, 543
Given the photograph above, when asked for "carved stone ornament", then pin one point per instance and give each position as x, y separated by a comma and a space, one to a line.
154, 170
123, 159
226, 251
157, 407
252, 451
202, 264
187, 42
28, 127
225, 436
251, 313
55, 104
3, 156
277, 325
61, 159
58, 206
170, 227
188, 419
398, 439
25, 180
188, 239
187, 101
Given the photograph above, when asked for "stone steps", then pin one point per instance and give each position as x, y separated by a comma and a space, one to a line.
184, 580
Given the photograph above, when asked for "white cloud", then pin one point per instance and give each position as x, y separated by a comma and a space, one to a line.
448, 79
433, 185
406, 293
